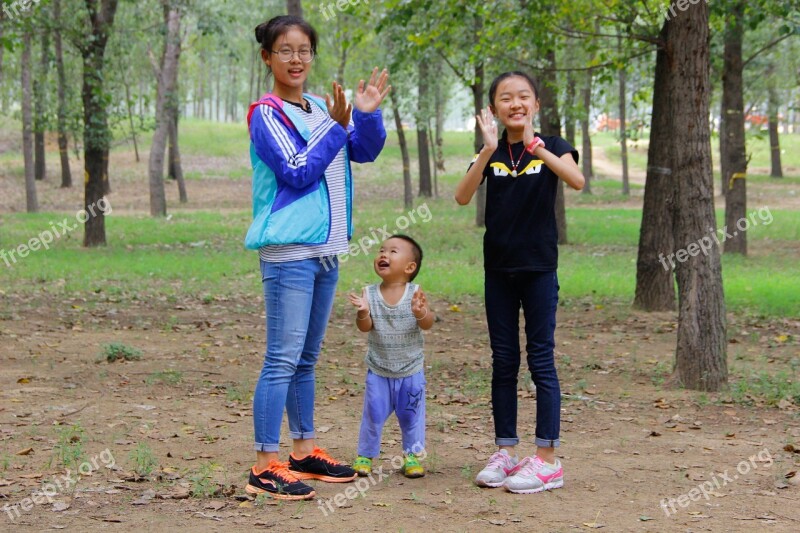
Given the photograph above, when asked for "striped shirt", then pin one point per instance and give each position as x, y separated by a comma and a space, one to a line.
318, 120
395, 344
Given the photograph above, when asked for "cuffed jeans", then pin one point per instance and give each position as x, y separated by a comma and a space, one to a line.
537, 293
298, 296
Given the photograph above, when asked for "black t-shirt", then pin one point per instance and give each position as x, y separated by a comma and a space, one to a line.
521, 233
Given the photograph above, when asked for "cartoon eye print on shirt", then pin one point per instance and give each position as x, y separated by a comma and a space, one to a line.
502, 170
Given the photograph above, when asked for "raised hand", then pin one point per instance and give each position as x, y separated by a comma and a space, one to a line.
488, 128
339, 110
528, 133
360, 302
419, 305
370, 96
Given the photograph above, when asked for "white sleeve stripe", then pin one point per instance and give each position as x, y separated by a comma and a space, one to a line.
277, 131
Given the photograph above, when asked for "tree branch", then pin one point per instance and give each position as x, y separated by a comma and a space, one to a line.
569, 32
572, 69
766, 47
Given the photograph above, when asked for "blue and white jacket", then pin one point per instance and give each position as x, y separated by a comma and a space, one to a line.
291, 204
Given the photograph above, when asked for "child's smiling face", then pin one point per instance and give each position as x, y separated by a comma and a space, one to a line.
292, 73
515, 103
395, 260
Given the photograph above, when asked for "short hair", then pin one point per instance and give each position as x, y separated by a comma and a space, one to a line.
415, 248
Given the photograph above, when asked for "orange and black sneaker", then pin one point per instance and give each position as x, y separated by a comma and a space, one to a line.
319, 465
278, 482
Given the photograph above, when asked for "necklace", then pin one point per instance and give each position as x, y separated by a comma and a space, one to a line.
514, 165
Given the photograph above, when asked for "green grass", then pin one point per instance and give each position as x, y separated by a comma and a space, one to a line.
757, 146
200, 254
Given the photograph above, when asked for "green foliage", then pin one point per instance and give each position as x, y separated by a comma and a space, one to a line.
69, 447
203, 484
766, 388
117, 351
168, 377
143, 459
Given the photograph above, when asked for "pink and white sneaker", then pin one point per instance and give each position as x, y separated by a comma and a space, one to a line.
534, 475
497, 470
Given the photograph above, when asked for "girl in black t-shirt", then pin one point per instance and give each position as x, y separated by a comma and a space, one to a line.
521, 170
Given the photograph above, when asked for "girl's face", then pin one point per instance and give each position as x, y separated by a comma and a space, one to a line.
515, 103
293, 73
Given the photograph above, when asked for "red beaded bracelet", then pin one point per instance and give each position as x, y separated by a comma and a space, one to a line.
537, 141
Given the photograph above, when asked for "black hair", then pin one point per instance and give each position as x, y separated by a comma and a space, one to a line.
269, 32
511, 74
415, 248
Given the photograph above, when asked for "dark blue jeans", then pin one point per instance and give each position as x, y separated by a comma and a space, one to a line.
537, 294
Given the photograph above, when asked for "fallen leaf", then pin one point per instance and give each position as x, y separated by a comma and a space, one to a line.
645, 518
24, 380
497, 522
26, 451
380, 504
593, 525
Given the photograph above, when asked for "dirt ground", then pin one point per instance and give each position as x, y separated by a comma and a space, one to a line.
628, 443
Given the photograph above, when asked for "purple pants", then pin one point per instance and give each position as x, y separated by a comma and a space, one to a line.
403, 396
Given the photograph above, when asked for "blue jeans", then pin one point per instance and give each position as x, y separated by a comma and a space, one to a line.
298, 296
537, 293
383, 396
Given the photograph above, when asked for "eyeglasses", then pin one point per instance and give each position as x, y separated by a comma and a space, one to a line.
306, 55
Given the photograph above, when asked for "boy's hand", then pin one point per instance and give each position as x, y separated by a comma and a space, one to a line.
419, 305
360, 302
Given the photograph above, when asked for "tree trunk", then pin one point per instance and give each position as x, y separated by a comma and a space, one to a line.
40, 118
63, 144
569, 110
655, 285
175, 166
218, 94
623, 132
701, 353
423, 112
586, 138
129, 108
733, 153
96, 134
342, 59
440, 104
295, 8
551, 125
2, 52
774, 138
32, 203
408, 193
477, 107
167, 85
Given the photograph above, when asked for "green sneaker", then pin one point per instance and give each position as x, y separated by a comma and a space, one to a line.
411, 467
363, 466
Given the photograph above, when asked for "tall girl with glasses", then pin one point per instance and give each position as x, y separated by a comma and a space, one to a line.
301, 149
520, 251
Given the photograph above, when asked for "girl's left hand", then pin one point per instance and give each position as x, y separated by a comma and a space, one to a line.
369, 96
419, 304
